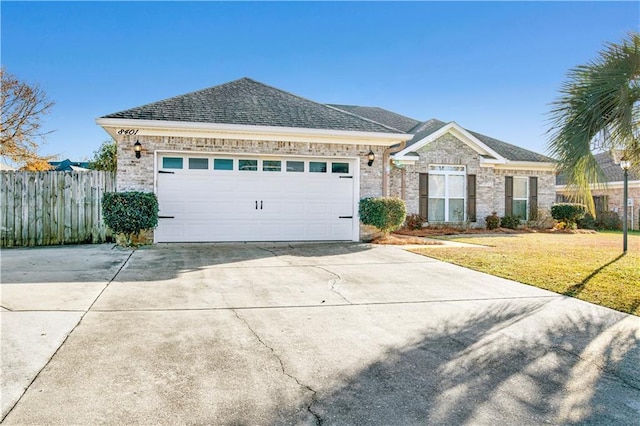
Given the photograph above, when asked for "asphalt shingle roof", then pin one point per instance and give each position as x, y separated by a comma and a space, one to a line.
612, 171
508, 151
381, 115
248, 102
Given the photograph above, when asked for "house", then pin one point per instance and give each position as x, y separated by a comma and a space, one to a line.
68, 165
244, 161
608, 196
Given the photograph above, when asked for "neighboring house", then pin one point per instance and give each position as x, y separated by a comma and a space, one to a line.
68, 165
608, 195
244, 161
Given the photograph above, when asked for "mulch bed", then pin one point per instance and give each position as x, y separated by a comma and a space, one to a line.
447, 230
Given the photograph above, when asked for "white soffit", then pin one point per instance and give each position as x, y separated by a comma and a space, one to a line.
115, 127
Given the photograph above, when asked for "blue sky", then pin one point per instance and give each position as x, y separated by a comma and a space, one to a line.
493, 67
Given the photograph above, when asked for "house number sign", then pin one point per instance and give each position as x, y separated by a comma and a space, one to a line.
128, 132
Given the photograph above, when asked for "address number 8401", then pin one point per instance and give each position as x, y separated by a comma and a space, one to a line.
128, 132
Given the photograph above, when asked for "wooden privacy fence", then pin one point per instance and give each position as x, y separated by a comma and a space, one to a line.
49, 208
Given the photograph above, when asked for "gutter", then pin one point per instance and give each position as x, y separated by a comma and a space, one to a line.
386, 162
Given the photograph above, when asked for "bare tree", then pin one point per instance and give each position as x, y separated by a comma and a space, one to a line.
23, 106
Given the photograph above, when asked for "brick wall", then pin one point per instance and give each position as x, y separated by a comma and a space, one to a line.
489, 181
137, 174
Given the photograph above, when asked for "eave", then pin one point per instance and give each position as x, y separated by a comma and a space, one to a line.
247, 132
603, 186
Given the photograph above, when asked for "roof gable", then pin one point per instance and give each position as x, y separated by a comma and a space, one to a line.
429, 130
248, 102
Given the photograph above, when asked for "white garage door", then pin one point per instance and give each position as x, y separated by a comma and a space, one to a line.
223, 198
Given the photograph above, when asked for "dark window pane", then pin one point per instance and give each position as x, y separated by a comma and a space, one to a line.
271, 165
222, 164
339, 167
317, 167
171, 162
295, 166
199, 163
248, 165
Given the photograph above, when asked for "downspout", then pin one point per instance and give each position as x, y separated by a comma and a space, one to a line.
386, 166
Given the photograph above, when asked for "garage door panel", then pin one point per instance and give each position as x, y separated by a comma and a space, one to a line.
213, 205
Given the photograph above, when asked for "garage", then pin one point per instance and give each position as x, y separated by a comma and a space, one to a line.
216, 197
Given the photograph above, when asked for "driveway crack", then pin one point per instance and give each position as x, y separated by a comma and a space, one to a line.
313, 392
334, 282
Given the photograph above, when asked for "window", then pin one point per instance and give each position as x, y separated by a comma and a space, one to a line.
317, 167
171, 162
339, 167
446, 194
295, 166
520, 197
222, 164
198, 163
248, 165
271, 165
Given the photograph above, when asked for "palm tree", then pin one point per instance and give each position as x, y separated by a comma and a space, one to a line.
598, 110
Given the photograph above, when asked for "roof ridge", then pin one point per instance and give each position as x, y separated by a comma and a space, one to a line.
363, 118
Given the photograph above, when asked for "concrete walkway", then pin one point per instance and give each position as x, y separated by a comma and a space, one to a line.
300, 334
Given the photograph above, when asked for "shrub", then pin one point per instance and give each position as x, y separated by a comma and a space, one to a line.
493, 221
510, 222
542, 221
570, 213
414, 221
609, 221
587, 222
385, 213
130, 212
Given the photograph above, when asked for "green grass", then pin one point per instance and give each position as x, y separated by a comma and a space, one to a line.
590, 267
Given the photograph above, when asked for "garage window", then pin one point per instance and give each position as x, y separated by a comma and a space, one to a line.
171, 162
248, 165
222, 164
339, 167
271, 166
317, 167
295, 166
198, 163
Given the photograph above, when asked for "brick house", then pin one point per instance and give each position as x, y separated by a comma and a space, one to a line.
608, 196
244, 161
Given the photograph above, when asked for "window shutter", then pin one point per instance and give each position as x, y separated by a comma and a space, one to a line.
471, 198
508, 195
533, 198
424, 196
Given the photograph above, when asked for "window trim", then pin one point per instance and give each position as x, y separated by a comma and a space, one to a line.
447, 170
525, 198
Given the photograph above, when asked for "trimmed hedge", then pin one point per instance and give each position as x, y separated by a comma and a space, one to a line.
130, 212
385, 213
510, 222
569, 213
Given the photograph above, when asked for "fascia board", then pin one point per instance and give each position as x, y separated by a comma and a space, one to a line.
522, 165
604, 185
210, 130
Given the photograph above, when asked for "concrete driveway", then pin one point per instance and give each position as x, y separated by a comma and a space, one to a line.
300, 334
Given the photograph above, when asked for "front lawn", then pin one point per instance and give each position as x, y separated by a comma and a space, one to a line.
586, 266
